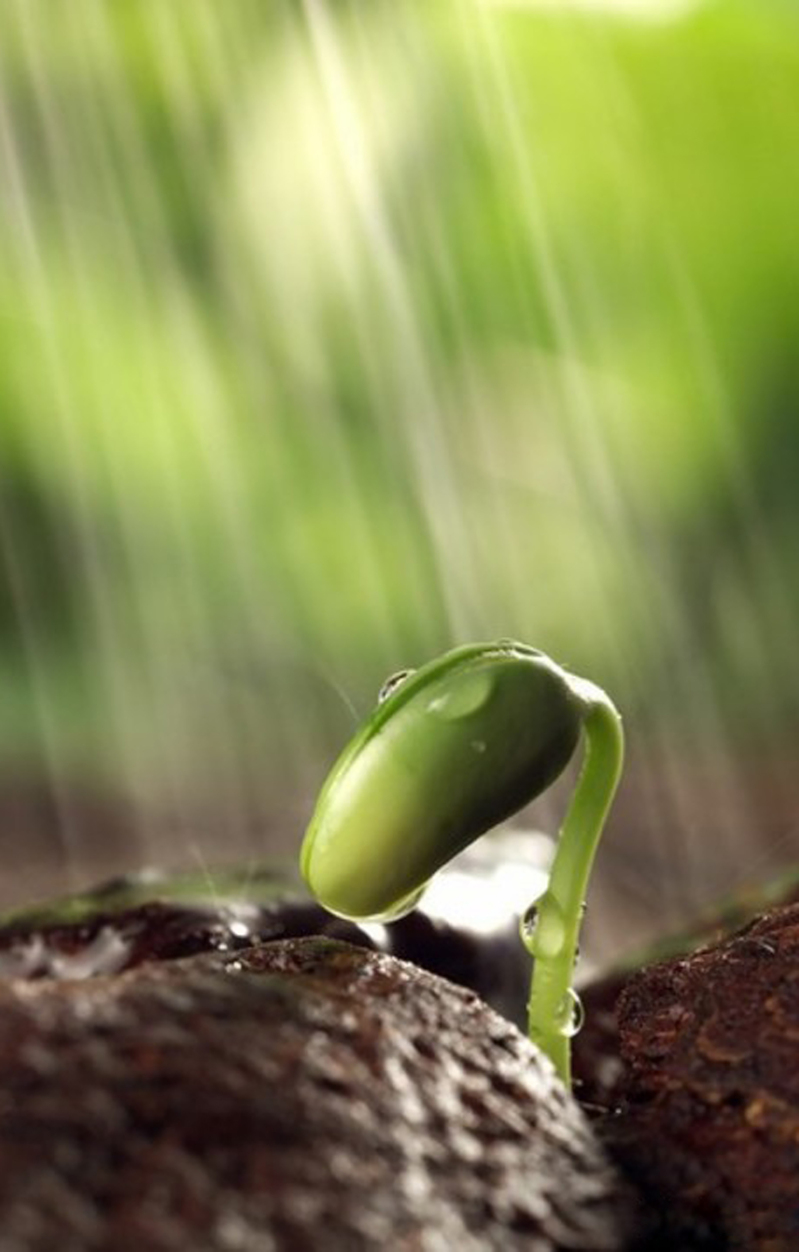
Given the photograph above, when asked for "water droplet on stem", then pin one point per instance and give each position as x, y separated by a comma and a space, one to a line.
570, 1014
543, 927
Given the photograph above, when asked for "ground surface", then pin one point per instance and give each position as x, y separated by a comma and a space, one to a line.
302, 1095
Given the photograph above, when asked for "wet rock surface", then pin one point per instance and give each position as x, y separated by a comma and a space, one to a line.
152, 916
599, 1072
709, 1120
109, 941
302, 1094
687, 1069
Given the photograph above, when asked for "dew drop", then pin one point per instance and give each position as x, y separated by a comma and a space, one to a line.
463, 698
570, 1014
392, 683
543, 927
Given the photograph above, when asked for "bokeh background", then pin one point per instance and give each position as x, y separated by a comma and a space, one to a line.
334, 333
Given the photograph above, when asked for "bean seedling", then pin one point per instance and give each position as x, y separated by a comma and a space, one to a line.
452, 749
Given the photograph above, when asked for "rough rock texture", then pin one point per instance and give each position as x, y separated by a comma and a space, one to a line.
300, 1095
710, 1122
599, 1075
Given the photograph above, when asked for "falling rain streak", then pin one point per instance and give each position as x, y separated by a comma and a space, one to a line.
332, 335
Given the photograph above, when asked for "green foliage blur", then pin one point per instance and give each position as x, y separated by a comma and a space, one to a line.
335, 334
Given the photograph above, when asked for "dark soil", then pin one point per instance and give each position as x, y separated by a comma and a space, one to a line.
298, 1095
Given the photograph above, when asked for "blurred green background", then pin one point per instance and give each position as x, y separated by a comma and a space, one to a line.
333, 334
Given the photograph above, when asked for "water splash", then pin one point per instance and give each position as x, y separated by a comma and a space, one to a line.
107, 953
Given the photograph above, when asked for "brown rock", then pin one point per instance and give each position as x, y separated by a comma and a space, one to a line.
710, 1122
599, 1075
299, 1095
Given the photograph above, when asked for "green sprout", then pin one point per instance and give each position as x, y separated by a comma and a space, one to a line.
452, 749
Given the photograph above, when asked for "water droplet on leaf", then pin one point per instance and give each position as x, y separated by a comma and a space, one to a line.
392, 682
463, 697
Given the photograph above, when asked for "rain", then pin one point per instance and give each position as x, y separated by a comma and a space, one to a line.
333, 335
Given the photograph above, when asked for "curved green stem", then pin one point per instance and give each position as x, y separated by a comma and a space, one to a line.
559, 912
